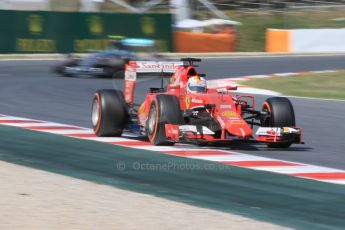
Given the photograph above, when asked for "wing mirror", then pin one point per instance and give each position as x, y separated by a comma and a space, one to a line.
173, 87
231, 87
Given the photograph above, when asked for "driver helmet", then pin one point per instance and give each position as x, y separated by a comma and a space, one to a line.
196, 84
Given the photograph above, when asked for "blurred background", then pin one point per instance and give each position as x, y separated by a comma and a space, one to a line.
241, 26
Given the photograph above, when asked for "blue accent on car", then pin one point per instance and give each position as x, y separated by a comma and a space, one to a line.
138, 42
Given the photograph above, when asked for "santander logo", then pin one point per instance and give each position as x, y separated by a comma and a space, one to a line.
150, 65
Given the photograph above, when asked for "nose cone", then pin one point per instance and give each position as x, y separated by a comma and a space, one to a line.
239, 128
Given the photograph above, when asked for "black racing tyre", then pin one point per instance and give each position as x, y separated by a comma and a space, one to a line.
114, 71
109, 71
114, 66
164, 109
109, 113
281, 115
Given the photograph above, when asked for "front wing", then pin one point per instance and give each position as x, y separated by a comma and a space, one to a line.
199, 134
84, 70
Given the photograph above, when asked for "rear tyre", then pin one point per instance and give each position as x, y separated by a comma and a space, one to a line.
113, 67
114, 72
164, 109
109, 71
109, 113
281, 115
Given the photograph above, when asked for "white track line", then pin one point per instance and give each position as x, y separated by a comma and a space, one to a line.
48, 124
297, 169
108, 139
316, 98
341, 182
229, 158
69, 131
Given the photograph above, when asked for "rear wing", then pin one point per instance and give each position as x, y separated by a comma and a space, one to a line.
134, 67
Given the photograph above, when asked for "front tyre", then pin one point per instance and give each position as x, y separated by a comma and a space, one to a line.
61, 69
109, 113
281, 114
164, 109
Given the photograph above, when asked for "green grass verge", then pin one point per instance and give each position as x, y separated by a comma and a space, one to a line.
322, 85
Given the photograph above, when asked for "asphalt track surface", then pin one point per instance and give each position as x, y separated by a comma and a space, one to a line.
29, 89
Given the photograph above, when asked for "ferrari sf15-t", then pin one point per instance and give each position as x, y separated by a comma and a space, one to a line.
172, 114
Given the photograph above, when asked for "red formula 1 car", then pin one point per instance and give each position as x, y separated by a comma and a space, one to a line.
185, 110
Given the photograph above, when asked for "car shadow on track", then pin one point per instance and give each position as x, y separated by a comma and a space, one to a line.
239, 145
263, 147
